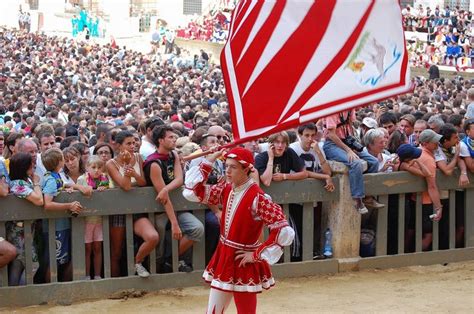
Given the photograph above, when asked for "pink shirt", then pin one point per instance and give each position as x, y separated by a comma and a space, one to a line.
332, 121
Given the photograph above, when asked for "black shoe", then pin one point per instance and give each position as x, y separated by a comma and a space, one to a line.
318, 256
184, 268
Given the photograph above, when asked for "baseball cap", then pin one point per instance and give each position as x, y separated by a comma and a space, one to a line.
408, 151
114, 112
370, 123
429, 136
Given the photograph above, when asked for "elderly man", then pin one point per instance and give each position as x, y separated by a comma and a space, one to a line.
429, 141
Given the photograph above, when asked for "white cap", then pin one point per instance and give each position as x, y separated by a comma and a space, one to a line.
370, 123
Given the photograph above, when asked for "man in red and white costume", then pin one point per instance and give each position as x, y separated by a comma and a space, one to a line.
240, 266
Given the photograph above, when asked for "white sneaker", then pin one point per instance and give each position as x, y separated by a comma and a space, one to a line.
141, 271
361, 208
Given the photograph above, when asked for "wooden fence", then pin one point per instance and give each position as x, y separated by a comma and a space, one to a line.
338, 214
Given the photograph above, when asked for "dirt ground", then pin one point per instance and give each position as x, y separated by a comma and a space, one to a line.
438, 288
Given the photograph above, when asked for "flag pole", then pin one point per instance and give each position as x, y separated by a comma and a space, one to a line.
207, 152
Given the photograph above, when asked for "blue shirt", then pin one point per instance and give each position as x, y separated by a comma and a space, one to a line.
4, 172
52, 184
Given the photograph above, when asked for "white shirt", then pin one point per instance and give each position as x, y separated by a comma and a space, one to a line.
464, 152
439, 155
40, 169
309, 164
146, 149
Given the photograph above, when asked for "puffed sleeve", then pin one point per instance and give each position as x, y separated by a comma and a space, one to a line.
195, 189
281, 234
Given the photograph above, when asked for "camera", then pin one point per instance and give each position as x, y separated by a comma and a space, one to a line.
353, 143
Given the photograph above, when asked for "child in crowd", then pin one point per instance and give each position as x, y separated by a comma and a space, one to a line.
96, 178
52, 184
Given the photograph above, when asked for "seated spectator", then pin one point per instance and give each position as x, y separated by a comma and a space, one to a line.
341, 145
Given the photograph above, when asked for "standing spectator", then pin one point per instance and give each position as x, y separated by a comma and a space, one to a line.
281, 163
23, 184
52, 184
420, 126
126, 172
388, 121
213, 214
46, 141
467, 146
429, 141
2, 144
309, 150
406, 125
163, 171
447, 153
7, 252
368, 123
147, 148
470, 106
97, 180
435, 123
433, 72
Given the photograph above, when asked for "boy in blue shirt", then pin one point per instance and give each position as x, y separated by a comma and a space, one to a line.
52, 184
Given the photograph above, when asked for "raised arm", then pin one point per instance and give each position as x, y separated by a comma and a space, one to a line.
195, 189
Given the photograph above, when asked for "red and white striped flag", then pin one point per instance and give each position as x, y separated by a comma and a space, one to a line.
287, 62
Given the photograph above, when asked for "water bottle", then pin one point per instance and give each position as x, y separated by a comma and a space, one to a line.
327, 243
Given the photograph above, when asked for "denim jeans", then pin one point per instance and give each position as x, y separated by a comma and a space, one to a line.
356, 179
190, 226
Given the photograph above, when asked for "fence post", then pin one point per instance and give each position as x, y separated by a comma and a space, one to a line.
342, 218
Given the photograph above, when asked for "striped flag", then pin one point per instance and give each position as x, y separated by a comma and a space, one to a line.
287, 62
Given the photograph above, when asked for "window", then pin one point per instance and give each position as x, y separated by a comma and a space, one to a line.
191, 7
33, 4
143, 7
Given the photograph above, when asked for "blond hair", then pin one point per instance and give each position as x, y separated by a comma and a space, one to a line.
272, 138
95, 160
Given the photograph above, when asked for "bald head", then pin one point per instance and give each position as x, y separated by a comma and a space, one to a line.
28, 146
218, 132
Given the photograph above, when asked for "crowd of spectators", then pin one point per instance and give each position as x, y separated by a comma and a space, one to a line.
76, 116
212, 27
448, 36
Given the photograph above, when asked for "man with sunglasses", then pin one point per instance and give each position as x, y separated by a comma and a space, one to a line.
219, 133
